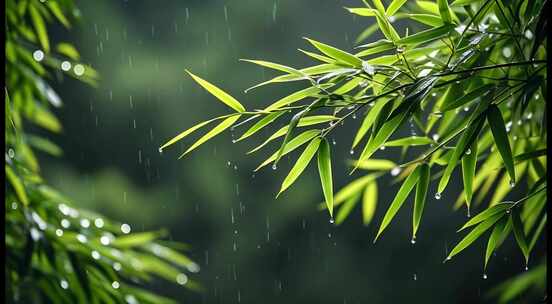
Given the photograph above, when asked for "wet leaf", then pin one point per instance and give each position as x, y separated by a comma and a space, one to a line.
521, 240
420, 199
218, 93
336, 53
292, 145
469, 162
300, 165
475, 234
325, 172
225, 124
499, 208
498, 128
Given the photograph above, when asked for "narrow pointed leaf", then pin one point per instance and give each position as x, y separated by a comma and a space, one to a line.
444, 10
276, 66
375, 164
427, 35
369, 202
40, 27
427, 19
409, 141
474, 234
480, 92
399, 199
218, 93
292, 145
494, 239
499, 208
300, 165
421, 195
394, 7
225, 124
189, 131
291, 126
469, 162
325, 172
336, 53
498, 128
294, 97
368, 121
346, 209
517, 226
265, 121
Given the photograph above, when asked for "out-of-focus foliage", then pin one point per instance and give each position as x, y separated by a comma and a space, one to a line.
470, 85
56, 252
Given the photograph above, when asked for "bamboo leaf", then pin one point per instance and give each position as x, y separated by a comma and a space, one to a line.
494, 239
368, 121
265, 121
346, 209
336, 53
290, 127
292, 145
394, 7
300, 165
469, 162
225, 124
369, 202
189, 131
409, 141
427, 35
294, 97
375, 164
498, 128
325, 172
277, 66
480, 92
444, 10
427, 19
521, 240
474, 234
489, 212
362, 11
17, 185
421, 195
399, 199
40, 27
218, 93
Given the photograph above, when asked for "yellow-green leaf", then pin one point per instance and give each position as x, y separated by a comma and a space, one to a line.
419, 200
300, 165
498, 128
218, 93
325, 172
369, 202
225, 124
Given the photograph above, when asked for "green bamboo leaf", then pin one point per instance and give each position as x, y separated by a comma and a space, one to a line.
427, 35
474, 234
292, 145
538, 232
369, 202
317, 56
346, 209
444, 10
410, 141
480, 92
498, 128
137, 239
17, 185
421, 195
386, 28
427, 19
494, 239
303, 122
399, 199
521, 240
368, 121
379, 6
467, 138
469, 162
218, 93
265, 121
336, 53
353, 188
294, 97
189, 131
362, 11
277, 66
379, 46
56, 10
375, 164
325, 172
300, 165
394, 7
499, 208
225, 124
463, 2
290, 127
40, 27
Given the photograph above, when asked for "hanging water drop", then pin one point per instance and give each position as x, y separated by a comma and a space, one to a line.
395, 171
352, 152
274, 167
332, 221
438, 195
468, 151
484, 276
413, 240
512, 183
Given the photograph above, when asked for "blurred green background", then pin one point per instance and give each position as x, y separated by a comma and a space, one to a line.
251, 247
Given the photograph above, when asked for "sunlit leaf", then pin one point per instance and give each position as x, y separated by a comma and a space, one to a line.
300, 165
369, 202
218, 93
225, 124
475, 234
325, 172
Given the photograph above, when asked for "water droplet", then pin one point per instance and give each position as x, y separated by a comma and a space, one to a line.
115, 285
95, 255
125, 228
85, 223
105, 240
274, 167
484, 276
65, 223
433, 94
332, 221
368, 68
512, 184
131, 299
181, 279
234, 141
438, 195
66, 66
528, 34
99, 222
79, 69
38, 55
160, 150
11, 153
352, 152
466, 109
468, 151
435, 137
507, 52
14, 205
333, 141
64, 284
395, 171
415, 277
117, 266
382, 148
59, 232
526, 267
413, 240
82, 238
235, 167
